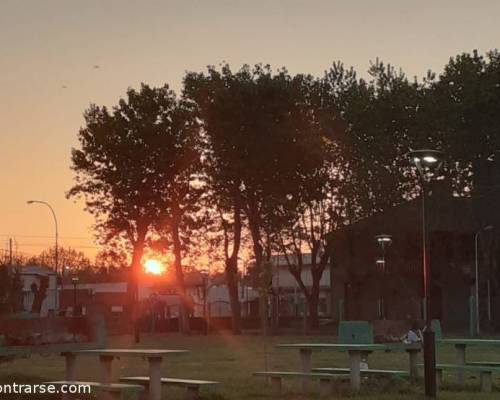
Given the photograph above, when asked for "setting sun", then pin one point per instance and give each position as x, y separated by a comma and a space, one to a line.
153, 267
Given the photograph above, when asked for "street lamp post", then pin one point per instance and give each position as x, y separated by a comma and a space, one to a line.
75, 281
56, 250
427, 163
476, 240
383, 241
205, 276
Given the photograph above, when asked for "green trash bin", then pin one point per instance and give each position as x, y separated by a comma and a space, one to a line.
355, 332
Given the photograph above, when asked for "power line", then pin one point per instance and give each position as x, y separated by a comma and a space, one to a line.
52, 245
47, 236
7, 252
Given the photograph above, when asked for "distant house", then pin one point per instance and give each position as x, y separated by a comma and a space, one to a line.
292, 301
289, 295
111, 299
99, 297
32, 276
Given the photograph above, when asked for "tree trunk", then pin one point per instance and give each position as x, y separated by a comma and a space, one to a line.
133, 283
231, 264
317, 269
259, 258
40, 293
232, 286
135, 270
263, 314
181, 287
313, 303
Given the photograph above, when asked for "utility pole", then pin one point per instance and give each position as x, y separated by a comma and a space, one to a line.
10, 251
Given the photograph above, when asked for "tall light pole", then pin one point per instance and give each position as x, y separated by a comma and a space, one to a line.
75, 281
427, 163
383, 241
56, 251
476, 240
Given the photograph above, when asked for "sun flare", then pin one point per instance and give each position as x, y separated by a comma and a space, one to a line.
153, 267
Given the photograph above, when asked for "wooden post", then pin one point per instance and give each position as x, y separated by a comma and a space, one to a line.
106, 362
305, 357
192, 392
413, 368
70, 361
460, 352
355, 359
439, 377
155, 378
325, 387
276, 385
486, 381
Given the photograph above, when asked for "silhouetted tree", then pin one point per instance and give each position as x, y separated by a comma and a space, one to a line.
70, 259
262, 147
111, 259
130, 168
39, 294
11, 290
464, 103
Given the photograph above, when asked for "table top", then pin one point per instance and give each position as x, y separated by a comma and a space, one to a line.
470, 342
353, 347
333, 346
45, 349
129, 352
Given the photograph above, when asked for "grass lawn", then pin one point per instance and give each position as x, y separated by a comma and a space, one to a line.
231, 360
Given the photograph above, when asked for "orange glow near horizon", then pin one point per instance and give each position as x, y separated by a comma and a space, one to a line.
153, 267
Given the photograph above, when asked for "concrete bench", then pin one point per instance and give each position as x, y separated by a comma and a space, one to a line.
485, 373
484, 363
192, 386
114, 391
325, 380
365, 372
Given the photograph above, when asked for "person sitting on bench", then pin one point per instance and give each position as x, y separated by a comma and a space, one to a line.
414, 335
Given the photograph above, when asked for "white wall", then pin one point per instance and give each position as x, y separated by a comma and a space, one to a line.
284, 279
50, 302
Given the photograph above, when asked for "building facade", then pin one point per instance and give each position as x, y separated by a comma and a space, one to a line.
365, 291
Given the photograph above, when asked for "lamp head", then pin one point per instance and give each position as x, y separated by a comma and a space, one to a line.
383, 240
30, 201
426, 160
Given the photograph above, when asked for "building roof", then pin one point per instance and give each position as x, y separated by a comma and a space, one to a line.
443, 213
35, 270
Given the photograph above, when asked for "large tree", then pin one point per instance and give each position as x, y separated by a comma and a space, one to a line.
262, 146
463, 106
380, 120
368, 127
130, 168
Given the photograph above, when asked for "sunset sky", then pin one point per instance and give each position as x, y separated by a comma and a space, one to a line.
49, 51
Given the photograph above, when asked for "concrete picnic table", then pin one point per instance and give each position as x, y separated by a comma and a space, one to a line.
106, 357
355, 351
460, 348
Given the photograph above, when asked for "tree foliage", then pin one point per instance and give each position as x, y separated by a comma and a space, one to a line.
263, 145
11, 291
132, 166
279, 161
